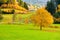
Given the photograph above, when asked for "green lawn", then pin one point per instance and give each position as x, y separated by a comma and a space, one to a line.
25, 32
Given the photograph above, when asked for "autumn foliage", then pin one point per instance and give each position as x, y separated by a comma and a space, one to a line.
13, 6
42, 18
58, 8
10, 7
26, 21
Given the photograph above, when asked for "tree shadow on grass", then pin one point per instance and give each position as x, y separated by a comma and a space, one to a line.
51, 30
44, 30
31, 29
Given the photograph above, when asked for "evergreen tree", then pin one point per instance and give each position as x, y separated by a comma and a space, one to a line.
2, 2
51, 7
25, 5
58, 1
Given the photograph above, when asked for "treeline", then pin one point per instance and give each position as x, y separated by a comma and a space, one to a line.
53, 6
20, 3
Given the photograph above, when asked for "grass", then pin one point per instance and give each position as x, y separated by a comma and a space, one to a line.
56, 24
25, 32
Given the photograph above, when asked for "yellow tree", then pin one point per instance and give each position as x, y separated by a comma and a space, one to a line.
3, 1
12, 1
26, 21
42, 18
58, 8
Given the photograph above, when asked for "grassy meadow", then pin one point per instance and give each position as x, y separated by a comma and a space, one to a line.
27, 32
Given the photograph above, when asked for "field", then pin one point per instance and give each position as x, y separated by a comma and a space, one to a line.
27, 32
20, 20
8, 17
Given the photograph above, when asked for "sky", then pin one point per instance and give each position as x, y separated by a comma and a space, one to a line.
38, 2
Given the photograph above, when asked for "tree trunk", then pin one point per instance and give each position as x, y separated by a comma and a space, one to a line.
13, 18
14, 14
40, 27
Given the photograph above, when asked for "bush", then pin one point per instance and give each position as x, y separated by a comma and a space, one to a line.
57, 14
57, 17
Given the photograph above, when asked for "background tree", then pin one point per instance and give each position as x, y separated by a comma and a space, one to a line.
57, 15
26, 20
25, 5
20, 2
58, 8
58, 2
14, 15
51, 7
42, 18
1, 17
2, 2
